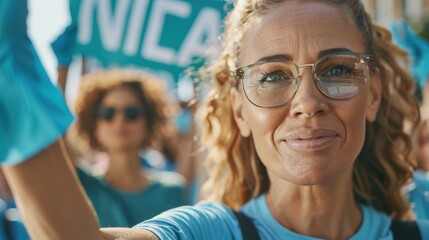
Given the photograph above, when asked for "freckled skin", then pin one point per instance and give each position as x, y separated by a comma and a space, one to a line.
302, 34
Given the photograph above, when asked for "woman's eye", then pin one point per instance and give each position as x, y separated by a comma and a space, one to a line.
275, 77
338, 71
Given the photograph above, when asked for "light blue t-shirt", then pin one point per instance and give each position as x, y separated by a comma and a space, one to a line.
216, 221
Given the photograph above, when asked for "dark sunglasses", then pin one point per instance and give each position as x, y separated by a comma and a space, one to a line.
129, 113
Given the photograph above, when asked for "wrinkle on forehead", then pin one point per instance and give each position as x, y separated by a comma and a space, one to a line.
269, 30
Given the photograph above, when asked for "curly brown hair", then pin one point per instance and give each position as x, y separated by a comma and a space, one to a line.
159, 109
383, 165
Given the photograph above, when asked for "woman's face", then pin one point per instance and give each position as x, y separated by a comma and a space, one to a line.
311, 139
120, 125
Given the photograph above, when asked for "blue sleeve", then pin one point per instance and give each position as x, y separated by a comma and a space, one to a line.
33, 112
203, 221
63, 46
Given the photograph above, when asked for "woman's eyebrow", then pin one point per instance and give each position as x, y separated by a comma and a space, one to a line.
287, 57
283, 57
333, 50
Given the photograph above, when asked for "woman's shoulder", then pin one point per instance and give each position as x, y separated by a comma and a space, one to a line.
205, 220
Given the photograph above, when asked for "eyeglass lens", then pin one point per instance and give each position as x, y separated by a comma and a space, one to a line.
129, 113
273, 83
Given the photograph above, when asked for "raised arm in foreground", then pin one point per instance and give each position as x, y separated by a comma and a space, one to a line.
49, 197
53, 203
34, 117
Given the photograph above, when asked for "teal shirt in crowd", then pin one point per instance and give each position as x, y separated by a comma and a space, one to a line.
116, 208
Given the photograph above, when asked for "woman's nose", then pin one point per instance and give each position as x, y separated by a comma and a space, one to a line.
118, 117
308, 101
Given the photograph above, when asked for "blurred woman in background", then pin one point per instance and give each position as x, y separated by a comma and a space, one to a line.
120, 113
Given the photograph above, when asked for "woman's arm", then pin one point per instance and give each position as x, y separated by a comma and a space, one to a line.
33, 117
50, 199
62, 78
127, 233
52, 202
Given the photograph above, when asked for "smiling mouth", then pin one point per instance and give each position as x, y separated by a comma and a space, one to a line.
310, 140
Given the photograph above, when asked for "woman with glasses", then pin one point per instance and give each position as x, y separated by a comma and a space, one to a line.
304, 132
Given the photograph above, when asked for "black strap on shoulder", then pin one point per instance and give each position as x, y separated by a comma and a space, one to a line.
248, 229
405, 230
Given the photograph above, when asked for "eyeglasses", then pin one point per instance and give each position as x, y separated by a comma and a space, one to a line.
130, 113
273, 83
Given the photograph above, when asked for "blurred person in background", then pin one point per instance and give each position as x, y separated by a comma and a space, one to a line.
119, 113
163, 152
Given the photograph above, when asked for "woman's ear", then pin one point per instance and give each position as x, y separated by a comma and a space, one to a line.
374, 96
237, 111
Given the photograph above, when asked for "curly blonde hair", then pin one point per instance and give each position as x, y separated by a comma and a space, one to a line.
151, 93
383, 165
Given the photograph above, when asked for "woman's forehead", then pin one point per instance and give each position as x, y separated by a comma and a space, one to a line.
120, 95
299, 29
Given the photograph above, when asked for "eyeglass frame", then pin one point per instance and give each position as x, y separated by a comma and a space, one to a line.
366, 58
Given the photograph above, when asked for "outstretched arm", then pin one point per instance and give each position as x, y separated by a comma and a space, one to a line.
50, 198
34, 117
53, 203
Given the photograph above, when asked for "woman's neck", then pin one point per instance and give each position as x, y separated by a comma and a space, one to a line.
326, 211
124, 172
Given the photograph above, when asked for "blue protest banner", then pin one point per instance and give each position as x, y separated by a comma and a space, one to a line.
163, 36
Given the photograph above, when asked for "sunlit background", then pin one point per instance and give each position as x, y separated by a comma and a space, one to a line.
47, 19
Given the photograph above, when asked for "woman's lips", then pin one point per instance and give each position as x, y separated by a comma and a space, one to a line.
310, 139
121, 133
